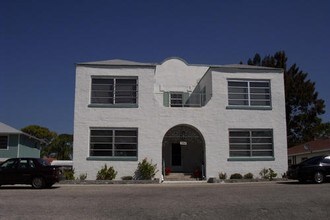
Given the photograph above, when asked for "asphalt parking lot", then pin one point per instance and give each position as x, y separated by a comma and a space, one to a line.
288, 200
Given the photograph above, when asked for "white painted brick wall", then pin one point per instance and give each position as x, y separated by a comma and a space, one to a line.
153, 120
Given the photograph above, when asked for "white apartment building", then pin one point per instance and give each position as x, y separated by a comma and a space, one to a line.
215, 118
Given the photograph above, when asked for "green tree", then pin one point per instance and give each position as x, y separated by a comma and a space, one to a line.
324, 130
42, 133
303, 107
61, 146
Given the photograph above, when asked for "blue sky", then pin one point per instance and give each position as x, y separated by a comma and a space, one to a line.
40, 41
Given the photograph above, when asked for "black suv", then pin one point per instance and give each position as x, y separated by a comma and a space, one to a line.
316, 169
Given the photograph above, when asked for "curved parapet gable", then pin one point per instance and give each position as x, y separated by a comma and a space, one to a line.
174, 74
170, 59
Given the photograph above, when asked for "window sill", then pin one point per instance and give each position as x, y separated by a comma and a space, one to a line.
112, 158
249, 107
251, 159
113, 106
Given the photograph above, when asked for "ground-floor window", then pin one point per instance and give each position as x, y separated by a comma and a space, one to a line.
113, 142
251, 143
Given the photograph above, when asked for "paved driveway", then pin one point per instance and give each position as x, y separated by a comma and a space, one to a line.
164, 201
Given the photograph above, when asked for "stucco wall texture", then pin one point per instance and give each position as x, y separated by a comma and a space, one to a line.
153, 120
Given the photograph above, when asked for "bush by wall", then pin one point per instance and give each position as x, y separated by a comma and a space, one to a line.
83, 176
248, 176
106, 173
268, 174
222, 176
236, 176
68, 174
146, 170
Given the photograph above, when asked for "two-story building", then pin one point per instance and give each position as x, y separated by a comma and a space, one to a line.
216, 118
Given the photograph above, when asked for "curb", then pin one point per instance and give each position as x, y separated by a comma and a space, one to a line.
104, 182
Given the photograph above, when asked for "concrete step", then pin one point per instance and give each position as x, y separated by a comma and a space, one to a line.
179, 177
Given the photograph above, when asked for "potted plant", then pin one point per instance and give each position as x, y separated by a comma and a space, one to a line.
167, 171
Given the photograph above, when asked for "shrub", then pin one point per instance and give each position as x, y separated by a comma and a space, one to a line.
106, 173
263, 173
268, 174
146, 170
83, 176
127, 178
222, 176
68, 174
248, 176
236, 176
272, 174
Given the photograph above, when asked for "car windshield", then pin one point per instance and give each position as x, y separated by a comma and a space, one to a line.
312, 161
8, 164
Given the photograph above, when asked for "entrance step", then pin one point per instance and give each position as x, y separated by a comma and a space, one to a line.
180, 177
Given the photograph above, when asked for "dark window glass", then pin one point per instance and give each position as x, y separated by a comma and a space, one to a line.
176, 99
3, 142
326, 160
312, 161
250, 143
113, 142
114, 91
249, 93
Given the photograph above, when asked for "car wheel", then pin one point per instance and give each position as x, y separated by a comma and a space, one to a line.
318, 177
38, 183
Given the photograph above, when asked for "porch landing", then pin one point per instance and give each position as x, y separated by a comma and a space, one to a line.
180, 177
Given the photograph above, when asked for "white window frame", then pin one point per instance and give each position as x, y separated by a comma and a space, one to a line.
113, 91
249, 95
250, 143
113, 143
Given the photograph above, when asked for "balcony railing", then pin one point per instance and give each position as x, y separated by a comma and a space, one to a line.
183, 99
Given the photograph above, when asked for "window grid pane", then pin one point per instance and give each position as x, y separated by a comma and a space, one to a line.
3, 142
250, 143
114, 91
249, 93
113, 142
176, 99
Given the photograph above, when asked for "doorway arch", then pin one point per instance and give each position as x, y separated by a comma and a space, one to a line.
183, 150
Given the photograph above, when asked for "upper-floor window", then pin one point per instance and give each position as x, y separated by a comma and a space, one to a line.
251, 143
176, 99
3, 142
249, 93
114, 90
184, 99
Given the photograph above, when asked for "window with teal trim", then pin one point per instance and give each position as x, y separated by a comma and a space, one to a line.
113, 142
249, 93
114, 90
251, 143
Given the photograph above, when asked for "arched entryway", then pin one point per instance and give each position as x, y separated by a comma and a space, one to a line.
184, 150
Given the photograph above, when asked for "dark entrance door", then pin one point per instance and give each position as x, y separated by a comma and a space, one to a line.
176, 155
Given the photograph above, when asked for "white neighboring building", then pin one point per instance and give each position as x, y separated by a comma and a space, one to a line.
215, 118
